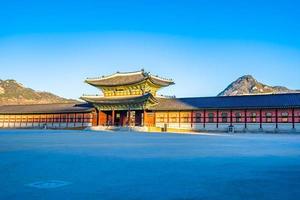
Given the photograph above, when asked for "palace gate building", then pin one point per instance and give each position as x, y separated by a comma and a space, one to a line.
127, 98
131, 100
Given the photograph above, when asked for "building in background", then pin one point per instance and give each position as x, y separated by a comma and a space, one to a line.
130, 100
57, 116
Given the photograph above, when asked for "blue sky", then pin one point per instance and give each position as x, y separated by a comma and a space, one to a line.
203, 45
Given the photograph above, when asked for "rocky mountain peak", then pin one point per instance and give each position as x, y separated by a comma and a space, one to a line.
248, 85
13, 92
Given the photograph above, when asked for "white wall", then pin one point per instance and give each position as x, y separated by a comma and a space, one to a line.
197, 126
253, 127
268, 127
211, 126
297, 127
185, 125
285, 126
223, 126
239, 127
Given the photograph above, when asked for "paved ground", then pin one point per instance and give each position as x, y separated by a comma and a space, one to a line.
101, 165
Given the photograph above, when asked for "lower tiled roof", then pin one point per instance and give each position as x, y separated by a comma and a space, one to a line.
228, 102
45, 108
119, 99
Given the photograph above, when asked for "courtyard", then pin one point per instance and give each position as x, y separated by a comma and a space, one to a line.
56, 164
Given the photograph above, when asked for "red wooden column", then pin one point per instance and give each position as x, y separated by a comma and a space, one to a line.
39, 120
154, 120
15, 121
59, 123
260, 118
3, 120
230, 117
97, 116
82, 119
129, 117
204, 119
276, 117
32, 120
113, 117
293, 117
144, 117
179, 118
192, 121
245, 118
217, 118
20, 120
67, 119
8, 120
26, 120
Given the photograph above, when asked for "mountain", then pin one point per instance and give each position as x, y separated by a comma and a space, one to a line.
247, 85
12, 92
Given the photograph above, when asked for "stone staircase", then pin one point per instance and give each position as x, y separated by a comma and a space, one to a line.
118, 128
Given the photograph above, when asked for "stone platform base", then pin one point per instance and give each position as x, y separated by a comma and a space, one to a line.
118, 128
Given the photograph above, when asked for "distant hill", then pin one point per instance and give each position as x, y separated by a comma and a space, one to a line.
247, 85
12, 92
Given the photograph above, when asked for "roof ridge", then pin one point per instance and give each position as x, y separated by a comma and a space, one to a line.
116, 97
42, 104
252, 95
118, 74
160, 78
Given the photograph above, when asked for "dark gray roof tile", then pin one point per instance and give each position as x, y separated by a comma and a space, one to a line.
45, 108
127, 78
228, 102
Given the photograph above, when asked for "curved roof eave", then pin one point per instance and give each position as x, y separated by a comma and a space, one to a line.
114, 100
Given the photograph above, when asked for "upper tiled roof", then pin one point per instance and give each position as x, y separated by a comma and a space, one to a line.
228, 102
45, 108
128, 78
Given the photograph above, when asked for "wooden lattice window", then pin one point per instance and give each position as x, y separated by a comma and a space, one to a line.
198, 118
238, 117
211, 117
36, 118
173, 117
71, 118
284, 116
253, 117
224, 117
268, 117
162, 117
185, 117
